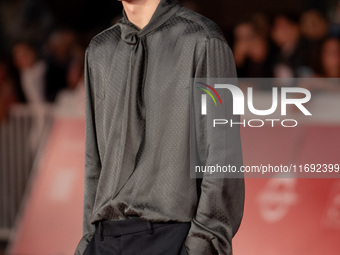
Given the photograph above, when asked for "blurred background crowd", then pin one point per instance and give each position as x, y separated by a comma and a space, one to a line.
42, 43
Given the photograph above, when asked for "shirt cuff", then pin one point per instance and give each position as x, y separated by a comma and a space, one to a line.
84, 241
199, 246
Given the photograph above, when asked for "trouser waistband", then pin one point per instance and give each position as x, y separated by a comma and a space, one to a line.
129, 226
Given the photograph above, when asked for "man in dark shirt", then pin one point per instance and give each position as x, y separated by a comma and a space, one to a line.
139, 197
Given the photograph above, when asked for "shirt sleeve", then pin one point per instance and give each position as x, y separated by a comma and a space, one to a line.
92, 160
220, 200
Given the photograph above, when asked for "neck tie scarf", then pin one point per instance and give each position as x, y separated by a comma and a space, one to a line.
134, 108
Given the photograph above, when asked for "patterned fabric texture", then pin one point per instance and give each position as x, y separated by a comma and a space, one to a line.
137, 144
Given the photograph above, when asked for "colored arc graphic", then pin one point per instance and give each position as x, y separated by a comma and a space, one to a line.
209, 94
210, 87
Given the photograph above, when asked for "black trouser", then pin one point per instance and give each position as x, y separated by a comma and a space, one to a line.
138, 237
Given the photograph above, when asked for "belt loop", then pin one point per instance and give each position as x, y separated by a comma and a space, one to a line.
150, 227
101, 231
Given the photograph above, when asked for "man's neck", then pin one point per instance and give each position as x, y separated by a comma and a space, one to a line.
139, 12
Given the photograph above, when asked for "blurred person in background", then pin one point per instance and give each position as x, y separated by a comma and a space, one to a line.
32, 80
314, 25
253, 51
290, 60
31, 70
7, 92
243, 36
72, 98
329, 68
330, 58
61, 51
314, 28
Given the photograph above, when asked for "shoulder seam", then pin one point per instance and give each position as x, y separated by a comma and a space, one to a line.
207, 36
99, 34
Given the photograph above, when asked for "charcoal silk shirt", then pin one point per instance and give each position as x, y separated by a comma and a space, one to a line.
138, 83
